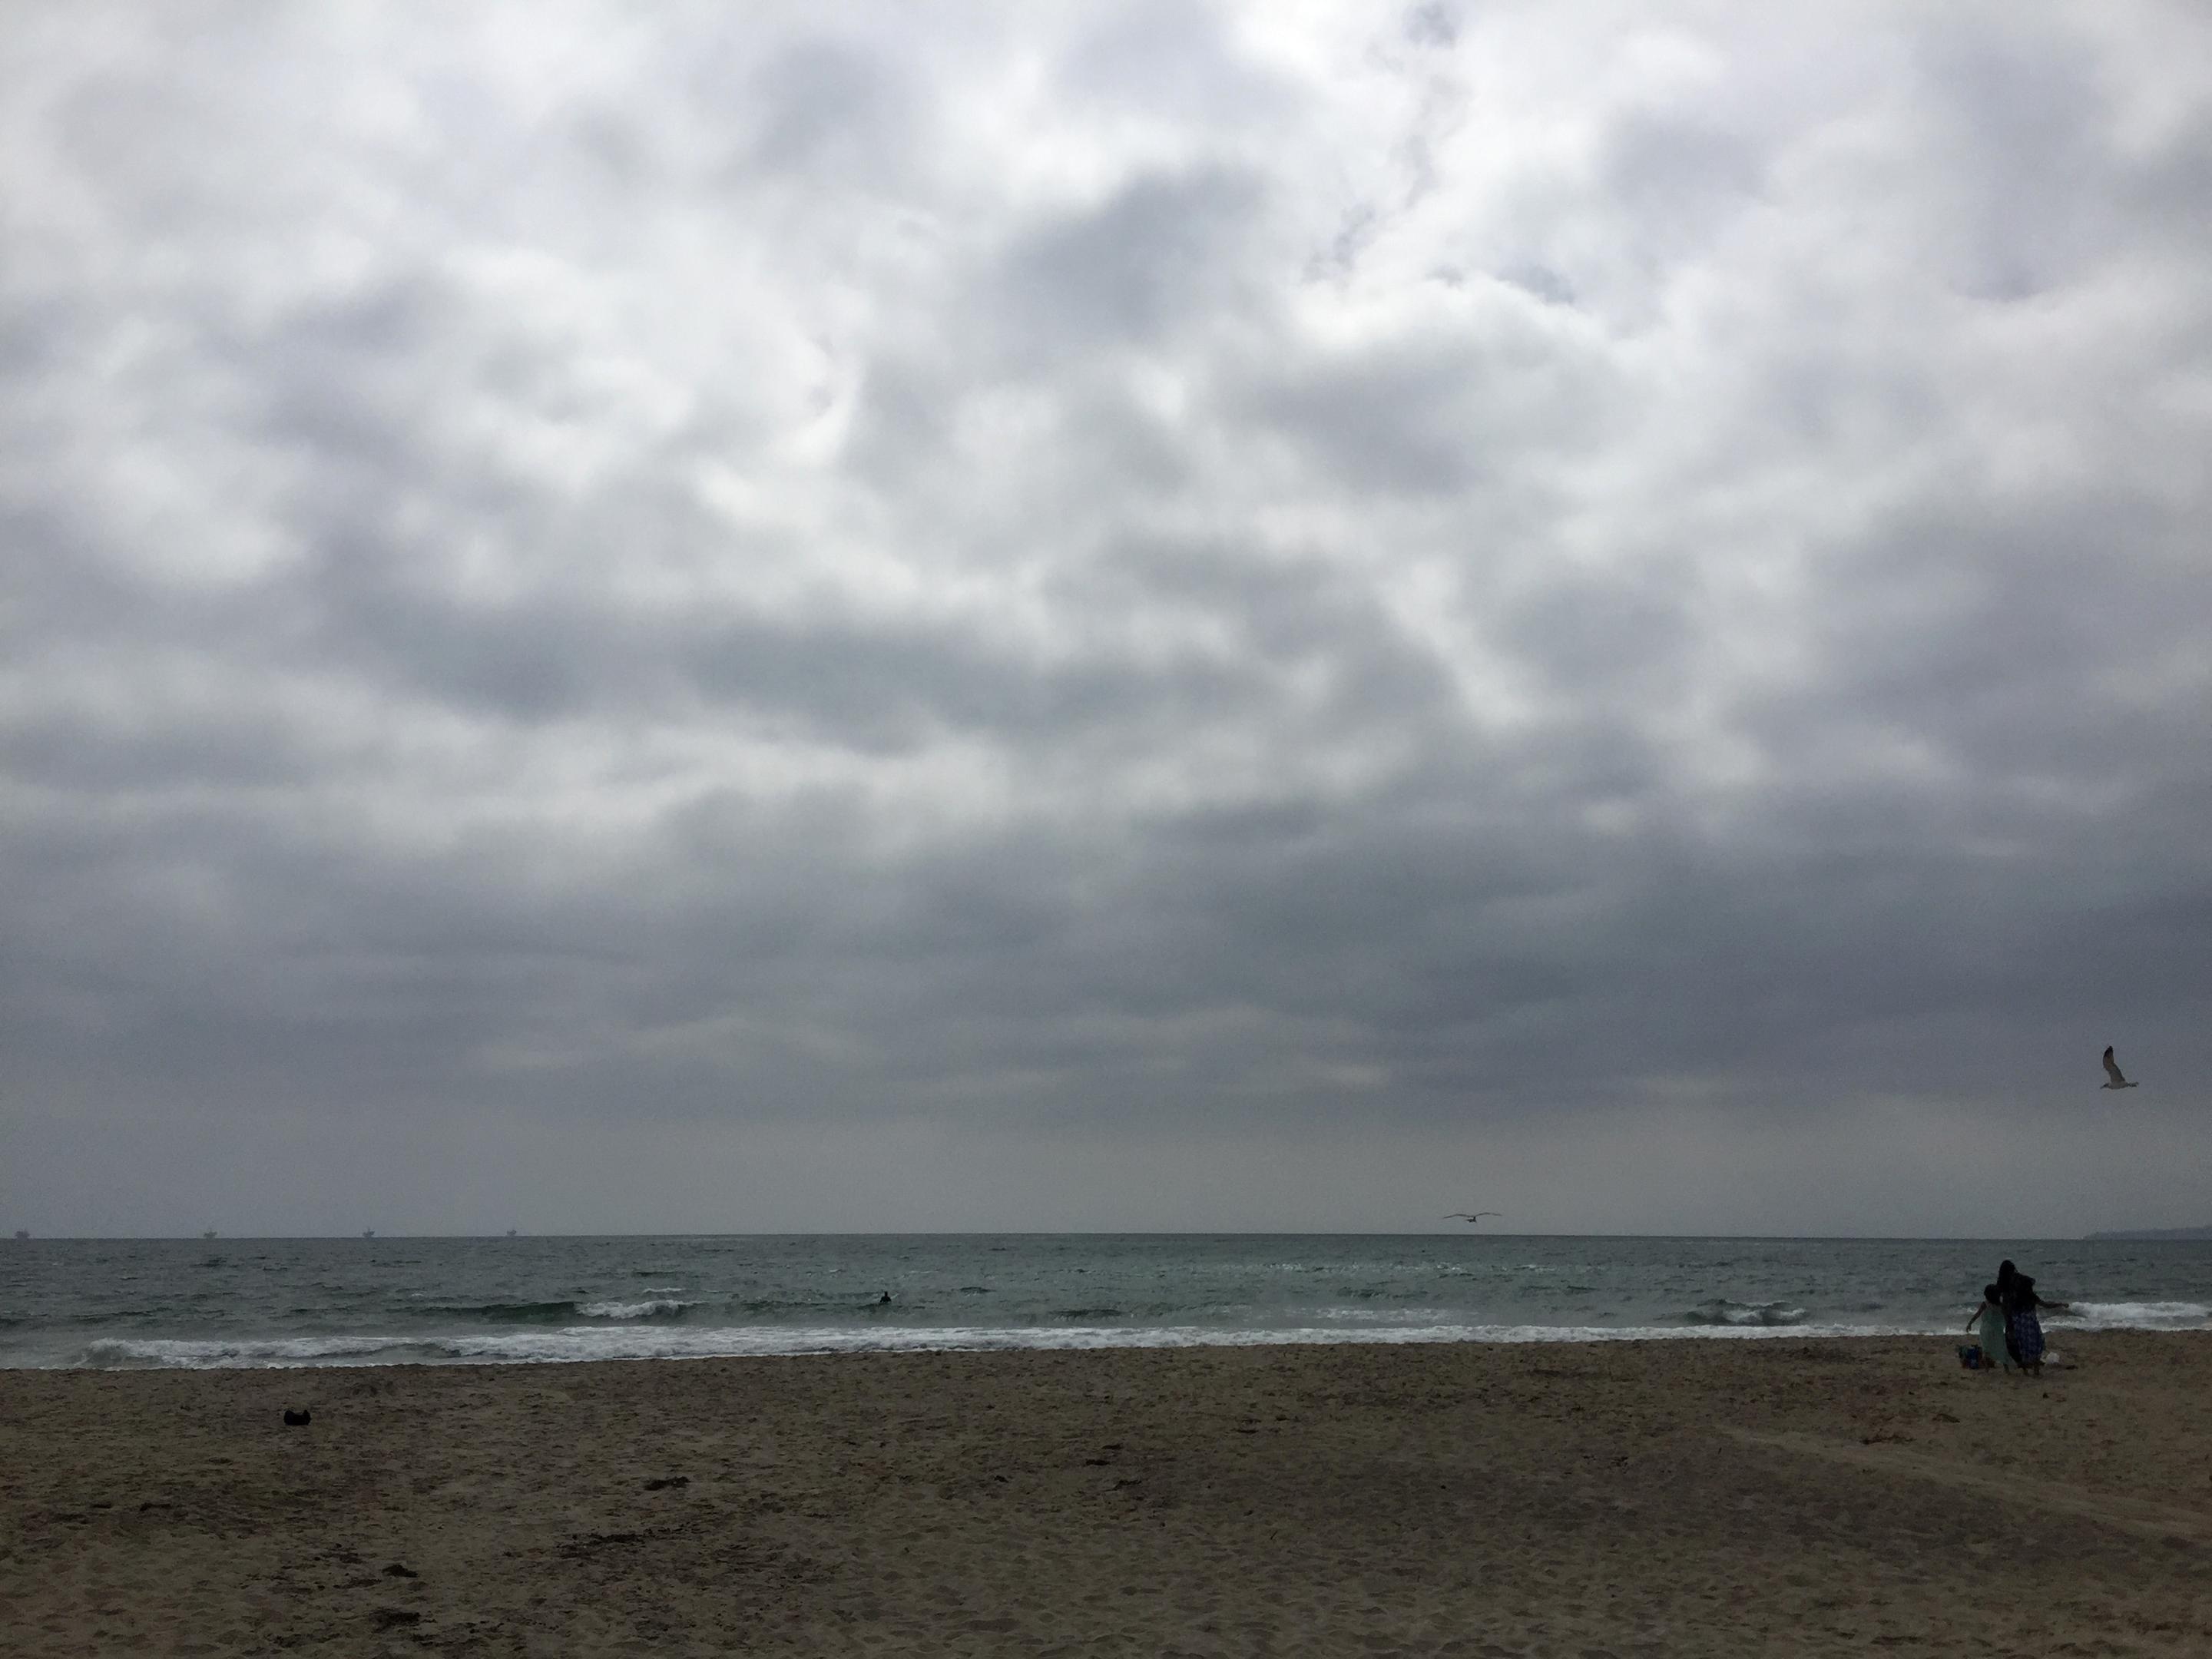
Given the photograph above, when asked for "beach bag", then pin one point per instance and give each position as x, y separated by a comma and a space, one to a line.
1970, 1356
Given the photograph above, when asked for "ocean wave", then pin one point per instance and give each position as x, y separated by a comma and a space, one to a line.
658, 1308
1722, 1312
785, 1307
2134, 1316
519, 1313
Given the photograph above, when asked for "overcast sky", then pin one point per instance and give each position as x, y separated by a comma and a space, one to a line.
760, 618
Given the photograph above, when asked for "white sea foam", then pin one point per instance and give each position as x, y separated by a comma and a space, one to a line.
2136, 1317
578, 1343
1380, 1315
248, 1353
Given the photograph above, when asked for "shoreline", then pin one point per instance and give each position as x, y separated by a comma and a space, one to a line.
563, 1345
1826, 1495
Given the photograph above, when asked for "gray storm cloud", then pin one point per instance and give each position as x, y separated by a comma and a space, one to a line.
1110, 617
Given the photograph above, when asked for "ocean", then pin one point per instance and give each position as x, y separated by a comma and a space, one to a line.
250, 1302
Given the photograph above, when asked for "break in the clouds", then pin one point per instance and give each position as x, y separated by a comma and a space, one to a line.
1286, 616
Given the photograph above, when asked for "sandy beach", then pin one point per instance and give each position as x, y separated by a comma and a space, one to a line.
1672, 1497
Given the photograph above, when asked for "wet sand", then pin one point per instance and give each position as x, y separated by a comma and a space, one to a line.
1679, 1498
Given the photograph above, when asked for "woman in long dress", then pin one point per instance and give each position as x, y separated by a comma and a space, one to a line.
2023, 1330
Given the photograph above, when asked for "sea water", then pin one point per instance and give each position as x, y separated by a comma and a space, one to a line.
384, 1301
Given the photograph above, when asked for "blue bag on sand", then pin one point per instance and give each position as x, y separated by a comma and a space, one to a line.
1970, 1355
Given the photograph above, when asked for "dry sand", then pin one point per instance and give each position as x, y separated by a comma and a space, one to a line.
1677, 1498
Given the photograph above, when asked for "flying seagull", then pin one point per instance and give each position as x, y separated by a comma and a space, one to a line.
1470, 1216
2113, 1071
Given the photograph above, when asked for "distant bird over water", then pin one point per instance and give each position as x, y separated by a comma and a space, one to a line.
2113, 1071
1469, 1216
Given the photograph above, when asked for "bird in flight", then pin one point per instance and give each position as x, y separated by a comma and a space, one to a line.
2113, 1071
1469, 1216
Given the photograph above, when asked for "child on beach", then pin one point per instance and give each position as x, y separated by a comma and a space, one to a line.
1989, 1324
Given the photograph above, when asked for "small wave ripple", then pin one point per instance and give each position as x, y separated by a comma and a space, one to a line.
502, 1313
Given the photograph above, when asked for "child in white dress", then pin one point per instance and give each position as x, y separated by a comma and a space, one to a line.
1989, 1324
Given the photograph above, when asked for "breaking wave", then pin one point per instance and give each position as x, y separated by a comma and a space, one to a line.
1722, 1312
657, 1308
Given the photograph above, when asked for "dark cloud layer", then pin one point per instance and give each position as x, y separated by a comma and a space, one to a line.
1155, 618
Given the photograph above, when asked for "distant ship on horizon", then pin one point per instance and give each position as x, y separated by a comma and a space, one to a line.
368, 1232
22, 1232
210, 1233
